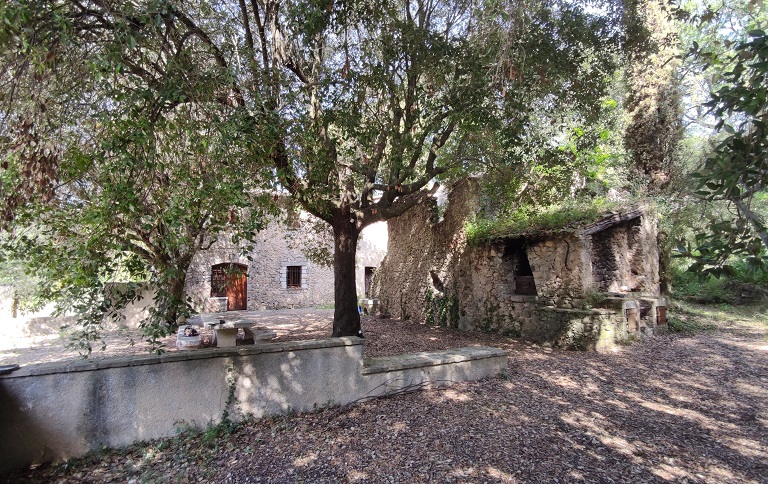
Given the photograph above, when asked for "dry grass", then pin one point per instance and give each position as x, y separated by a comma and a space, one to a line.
689, 408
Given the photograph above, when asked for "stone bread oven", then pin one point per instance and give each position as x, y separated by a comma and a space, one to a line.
585, 289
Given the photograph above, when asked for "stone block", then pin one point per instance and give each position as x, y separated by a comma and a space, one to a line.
225, 337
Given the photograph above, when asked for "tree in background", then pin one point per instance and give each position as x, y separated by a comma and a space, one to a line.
120, 160
736, 171
557, 134
653, 101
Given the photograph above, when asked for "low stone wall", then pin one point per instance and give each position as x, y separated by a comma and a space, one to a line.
52, 412
577, 329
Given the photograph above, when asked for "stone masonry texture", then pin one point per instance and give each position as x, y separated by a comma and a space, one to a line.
432, 274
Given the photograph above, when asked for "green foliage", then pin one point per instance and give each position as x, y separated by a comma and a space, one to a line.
15, 274
441, 310
528, 221
559, 132
736, 171
594, 299
726, 288
137, 161
311, 237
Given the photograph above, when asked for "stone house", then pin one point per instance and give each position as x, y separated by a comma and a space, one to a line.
276, 273
588, 289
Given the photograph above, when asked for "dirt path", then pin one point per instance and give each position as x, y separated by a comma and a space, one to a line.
691, 408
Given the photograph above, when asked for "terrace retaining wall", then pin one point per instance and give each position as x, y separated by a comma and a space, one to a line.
55, 411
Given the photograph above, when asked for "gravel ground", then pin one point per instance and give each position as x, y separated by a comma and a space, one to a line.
672, 408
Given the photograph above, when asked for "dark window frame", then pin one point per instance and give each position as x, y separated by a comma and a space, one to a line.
293, 277
219, 280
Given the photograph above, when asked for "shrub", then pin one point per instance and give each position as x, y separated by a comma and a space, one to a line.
729, 289
680, 325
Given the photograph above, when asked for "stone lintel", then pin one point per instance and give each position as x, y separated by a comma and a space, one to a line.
520, 298
581, 312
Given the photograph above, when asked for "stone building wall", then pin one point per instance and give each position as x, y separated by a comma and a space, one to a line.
431, 274
272, 253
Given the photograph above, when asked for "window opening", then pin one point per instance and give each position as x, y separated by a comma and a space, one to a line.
524, 283
293, 277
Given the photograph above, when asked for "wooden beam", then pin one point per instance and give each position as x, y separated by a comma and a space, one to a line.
610, 221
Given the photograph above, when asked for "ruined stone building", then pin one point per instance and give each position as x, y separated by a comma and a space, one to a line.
589, 288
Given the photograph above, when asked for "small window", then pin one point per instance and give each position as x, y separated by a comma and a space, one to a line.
219, 280
293, 276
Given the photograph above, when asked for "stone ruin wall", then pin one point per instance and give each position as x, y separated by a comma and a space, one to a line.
424, 254
625, 257
431, 274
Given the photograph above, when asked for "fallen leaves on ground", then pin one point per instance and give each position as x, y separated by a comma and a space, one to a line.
690, 408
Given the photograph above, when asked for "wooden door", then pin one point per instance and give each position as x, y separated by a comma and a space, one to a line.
237, 289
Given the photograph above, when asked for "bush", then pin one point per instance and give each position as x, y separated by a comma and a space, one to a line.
679, 325
742, 286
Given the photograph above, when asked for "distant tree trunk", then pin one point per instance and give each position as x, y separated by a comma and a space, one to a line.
654, 100
346, 319
665, 268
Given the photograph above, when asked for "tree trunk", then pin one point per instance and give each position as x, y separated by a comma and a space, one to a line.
346, 319
665, 266
169, 295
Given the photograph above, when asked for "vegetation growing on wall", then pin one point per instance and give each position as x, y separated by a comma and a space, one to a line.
528, 221
441, 310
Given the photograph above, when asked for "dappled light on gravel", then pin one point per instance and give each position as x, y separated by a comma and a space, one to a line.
689, 408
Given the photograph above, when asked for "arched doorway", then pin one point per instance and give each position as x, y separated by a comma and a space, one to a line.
230, 280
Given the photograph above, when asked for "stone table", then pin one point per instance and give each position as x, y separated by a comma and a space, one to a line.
225, 329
